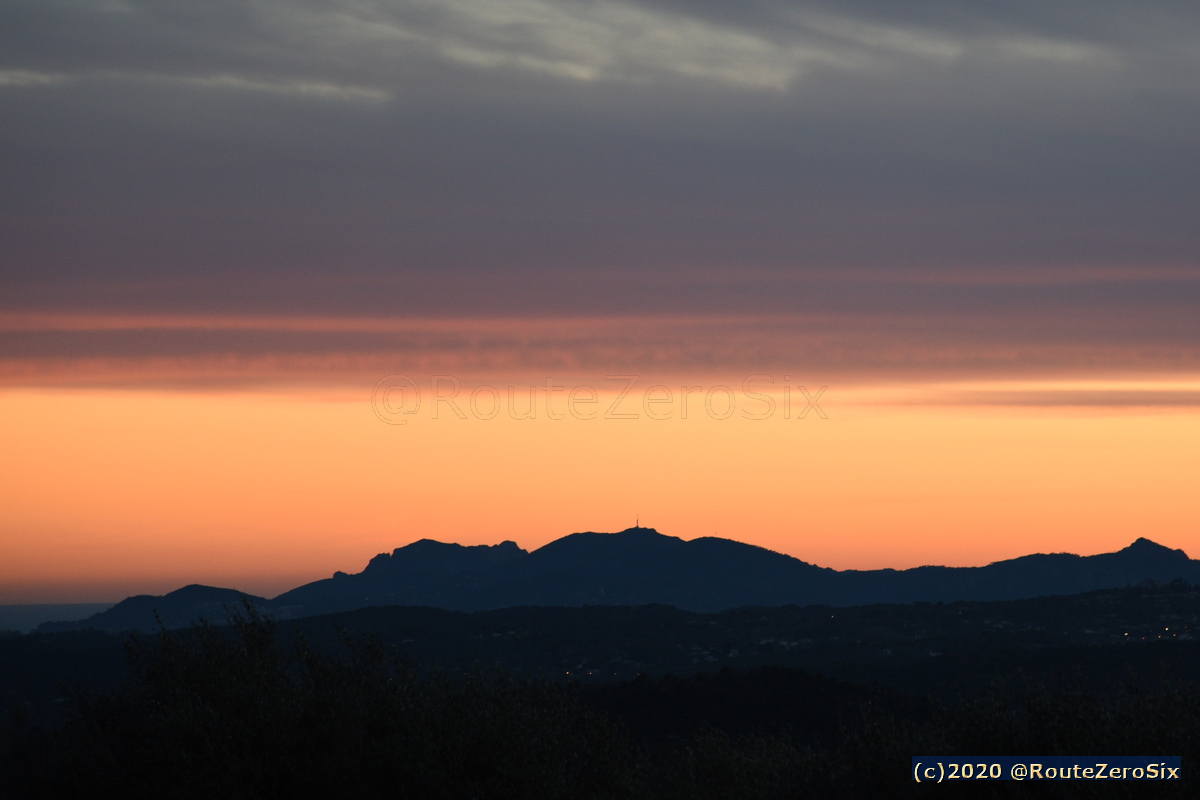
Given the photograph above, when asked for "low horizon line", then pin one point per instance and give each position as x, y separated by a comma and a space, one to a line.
602, 533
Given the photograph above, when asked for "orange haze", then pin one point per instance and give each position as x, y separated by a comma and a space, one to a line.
112, 492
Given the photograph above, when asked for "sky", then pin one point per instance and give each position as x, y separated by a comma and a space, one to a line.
236, 237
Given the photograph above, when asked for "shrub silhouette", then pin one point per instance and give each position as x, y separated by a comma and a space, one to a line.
229, 712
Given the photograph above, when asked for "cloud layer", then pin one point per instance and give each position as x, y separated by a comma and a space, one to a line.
1009, 185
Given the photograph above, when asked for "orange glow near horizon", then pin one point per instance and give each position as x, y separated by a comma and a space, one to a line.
109, 493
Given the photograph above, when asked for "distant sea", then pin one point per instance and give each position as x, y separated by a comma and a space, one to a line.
26, 617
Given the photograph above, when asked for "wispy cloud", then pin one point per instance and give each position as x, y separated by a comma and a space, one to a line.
1113, 398
318, 89
217, 82
52, 350
1009, 165
769, 47
1181, 394
22, 78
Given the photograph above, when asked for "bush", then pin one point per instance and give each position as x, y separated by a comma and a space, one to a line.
228, 712
231, 713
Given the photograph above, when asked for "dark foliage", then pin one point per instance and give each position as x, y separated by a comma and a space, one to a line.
226, 712
230, 713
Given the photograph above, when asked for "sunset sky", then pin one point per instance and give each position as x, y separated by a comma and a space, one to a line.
231, 232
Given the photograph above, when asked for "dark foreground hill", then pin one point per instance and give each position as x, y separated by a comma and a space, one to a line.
927, 648
522, 702
641, 566
176, 609
241, 712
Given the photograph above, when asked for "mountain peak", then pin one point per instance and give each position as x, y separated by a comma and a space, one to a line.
1143, 542
427, 544
429, 557
638, 530
1145, 547
640, 565
618, 544
197, 592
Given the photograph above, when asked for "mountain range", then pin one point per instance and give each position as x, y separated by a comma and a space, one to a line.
640, 566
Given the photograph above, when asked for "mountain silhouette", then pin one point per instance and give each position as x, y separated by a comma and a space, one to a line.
425, 573
640, 566
175, 609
